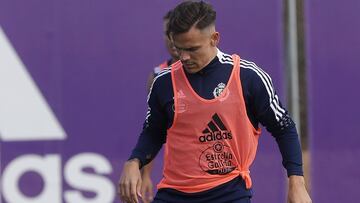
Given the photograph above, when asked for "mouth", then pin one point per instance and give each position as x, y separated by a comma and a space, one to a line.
189, 65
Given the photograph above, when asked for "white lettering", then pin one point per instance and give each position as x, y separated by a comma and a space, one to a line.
48, 167
76, 178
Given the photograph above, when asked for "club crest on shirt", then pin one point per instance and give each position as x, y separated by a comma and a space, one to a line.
219, 89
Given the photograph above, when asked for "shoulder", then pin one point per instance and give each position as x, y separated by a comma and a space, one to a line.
160, 67
161, 81
224, 58
250, 68
161, 90
250, 71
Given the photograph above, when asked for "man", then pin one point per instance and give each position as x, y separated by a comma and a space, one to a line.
207, 108
147, 185
170, 49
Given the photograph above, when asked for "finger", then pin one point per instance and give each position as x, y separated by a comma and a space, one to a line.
138, 188
147, 194
123, 196
151, 194
121, 191
133, 192
143, 193
143, 189
127, 191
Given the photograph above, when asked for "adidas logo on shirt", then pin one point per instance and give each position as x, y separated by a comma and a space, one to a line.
215, 131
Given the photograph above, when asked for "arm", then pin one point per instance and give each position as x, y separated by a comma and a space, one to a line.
289, 145
266, 108
147, 185
149, 143
263, 106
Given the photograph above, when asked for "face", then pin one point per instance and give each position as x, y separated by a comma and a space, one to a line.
196, 48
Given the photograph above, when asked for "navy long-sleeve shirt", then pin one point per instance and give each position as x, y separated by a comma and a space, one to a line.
262, 104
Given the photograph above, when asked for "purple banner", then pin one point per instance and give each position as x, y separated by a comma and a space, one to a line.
77, 85
333, 31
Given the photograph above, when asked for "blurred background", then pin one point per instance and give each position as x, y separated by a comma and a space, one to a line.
73, 96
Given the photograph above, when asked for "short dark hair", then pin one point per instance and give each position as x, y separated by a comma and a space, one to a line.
188, 14
167, 15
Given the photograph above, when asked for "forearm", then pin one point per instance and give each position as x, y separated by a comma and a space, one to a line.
290, 149
153, 134
285, 133
147, 147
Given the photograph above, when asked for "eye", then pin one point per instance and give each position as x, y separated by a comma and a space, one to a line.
192, 49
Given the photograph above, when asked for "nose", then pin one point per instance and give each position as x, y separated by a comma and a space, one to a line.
183, 55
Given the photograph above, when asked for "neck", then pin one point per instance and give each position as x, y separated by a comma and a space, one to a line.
211, 57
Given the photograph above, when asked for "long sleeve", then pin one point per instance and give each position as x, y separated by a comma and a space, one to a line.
153, 134
266, 108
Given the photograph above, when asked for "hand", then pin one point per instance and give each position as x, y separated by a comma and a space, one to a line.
130, 182
146, 188
297, 190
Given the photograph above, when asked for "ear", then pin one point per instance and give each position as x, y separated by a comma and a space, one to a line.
215, 38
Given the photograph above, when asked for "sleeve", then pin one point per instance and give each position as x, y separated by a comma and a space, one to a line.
153, 134
268, 110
